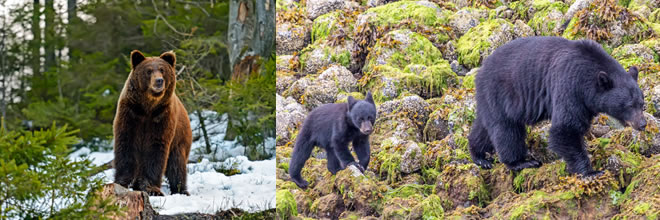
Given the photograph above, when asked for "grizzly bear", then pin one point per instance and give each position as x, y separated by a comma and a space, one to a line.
151, 128
532, 79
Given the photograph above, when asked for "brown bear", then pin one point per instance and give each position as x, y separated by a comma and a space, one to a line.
151, 128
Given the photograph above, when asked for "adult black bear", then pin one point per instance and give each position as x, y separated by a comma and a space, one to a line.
333, 127
569, 82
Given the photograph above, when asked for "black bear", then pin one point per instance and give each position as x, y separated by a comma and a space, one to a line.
537, 78
333, 127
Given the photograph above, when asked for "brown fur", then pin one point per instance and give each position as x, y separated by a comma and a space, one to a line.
152, 130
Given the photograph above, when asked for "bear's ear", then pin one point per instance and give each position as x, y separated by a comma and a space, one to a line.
169, 57
604, 81
633, 72
136, 58
369, 98
351, 102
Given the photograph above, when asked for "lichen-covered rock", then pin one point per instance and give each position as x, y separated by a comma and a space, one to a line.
328, 206
520, 29
341, 76
411, 161
320, 92
323, 53
316, 8
633, 55
462, 185
643, 7
642, 196
482, 40
548, 18
291, 37
362, 193
655, 100
436, 127
571, 198
465, 19
412, 107
283, 63
289, 116
575, 7
333, 24
284, 81
424, 12
607, 22
405, 60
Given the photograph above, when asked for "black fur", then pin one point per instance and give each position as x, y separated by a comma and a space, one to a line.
333, 127
532, 79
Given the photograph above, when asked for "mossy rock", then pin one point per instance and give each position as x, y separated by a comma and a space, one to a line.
333, 23
571, 198
480, 41
323, 53
424, 12
462, 185
399, 202
429, 208
536, 178
406, 61
363, 193
286, 204
330, 205
641, 199
608, 23
634, 55
436, 128
548, 17
444, 152
499, 179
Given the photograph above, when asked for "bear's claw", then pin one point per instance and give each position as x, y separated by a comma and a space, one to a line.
484, 163
301, 183
357, 165
525, 164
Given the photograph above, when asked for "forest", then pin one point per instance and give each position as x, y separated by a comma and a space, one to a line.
63, 65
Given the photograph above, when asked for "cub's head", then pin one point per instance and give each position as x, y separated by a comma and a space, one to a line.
362, 113
621, 98
154, 76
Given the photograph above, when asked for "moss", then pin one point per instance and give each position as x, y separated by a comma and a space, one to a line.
388, 162
345, 95
414, 65
395, 12
540, 22
474, 43
462, 184
286, 204
410, 190
468, 82
324, 25
432, 207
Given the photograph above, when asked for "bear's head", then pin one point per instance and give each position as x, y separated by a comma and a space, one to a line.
362, 113
621, 98
153, 76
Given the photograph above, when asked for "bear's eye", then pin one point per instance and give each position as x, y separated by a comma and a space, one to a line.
149, 71
161, 69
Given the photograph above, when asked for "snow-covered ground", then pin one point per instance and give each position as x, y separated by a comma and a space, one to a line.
211, 191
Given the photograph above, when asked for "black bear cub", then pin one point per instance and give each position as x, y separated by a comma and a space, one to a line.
332, 127
537, 78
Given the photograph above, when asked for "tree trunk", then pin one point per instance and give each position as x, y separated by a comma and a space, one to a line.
251, 34
204, 132
36, 42
72, 17
136, 203
50, 34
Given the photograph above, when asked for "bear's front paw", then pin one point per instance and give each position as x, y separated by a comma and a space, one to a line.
525, 164
154, 191
301, 183
484, 163
357, 165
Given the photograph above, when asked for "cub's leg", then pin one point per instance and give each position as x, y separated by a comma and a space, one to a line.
363, 151
301, 152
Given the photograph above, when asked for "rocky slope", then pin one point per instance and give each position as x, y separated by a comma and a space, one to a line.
419, 59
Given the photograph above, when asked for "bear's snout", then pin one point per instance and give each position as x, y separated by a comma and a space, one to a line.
638, 122
159, 82
366, 128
